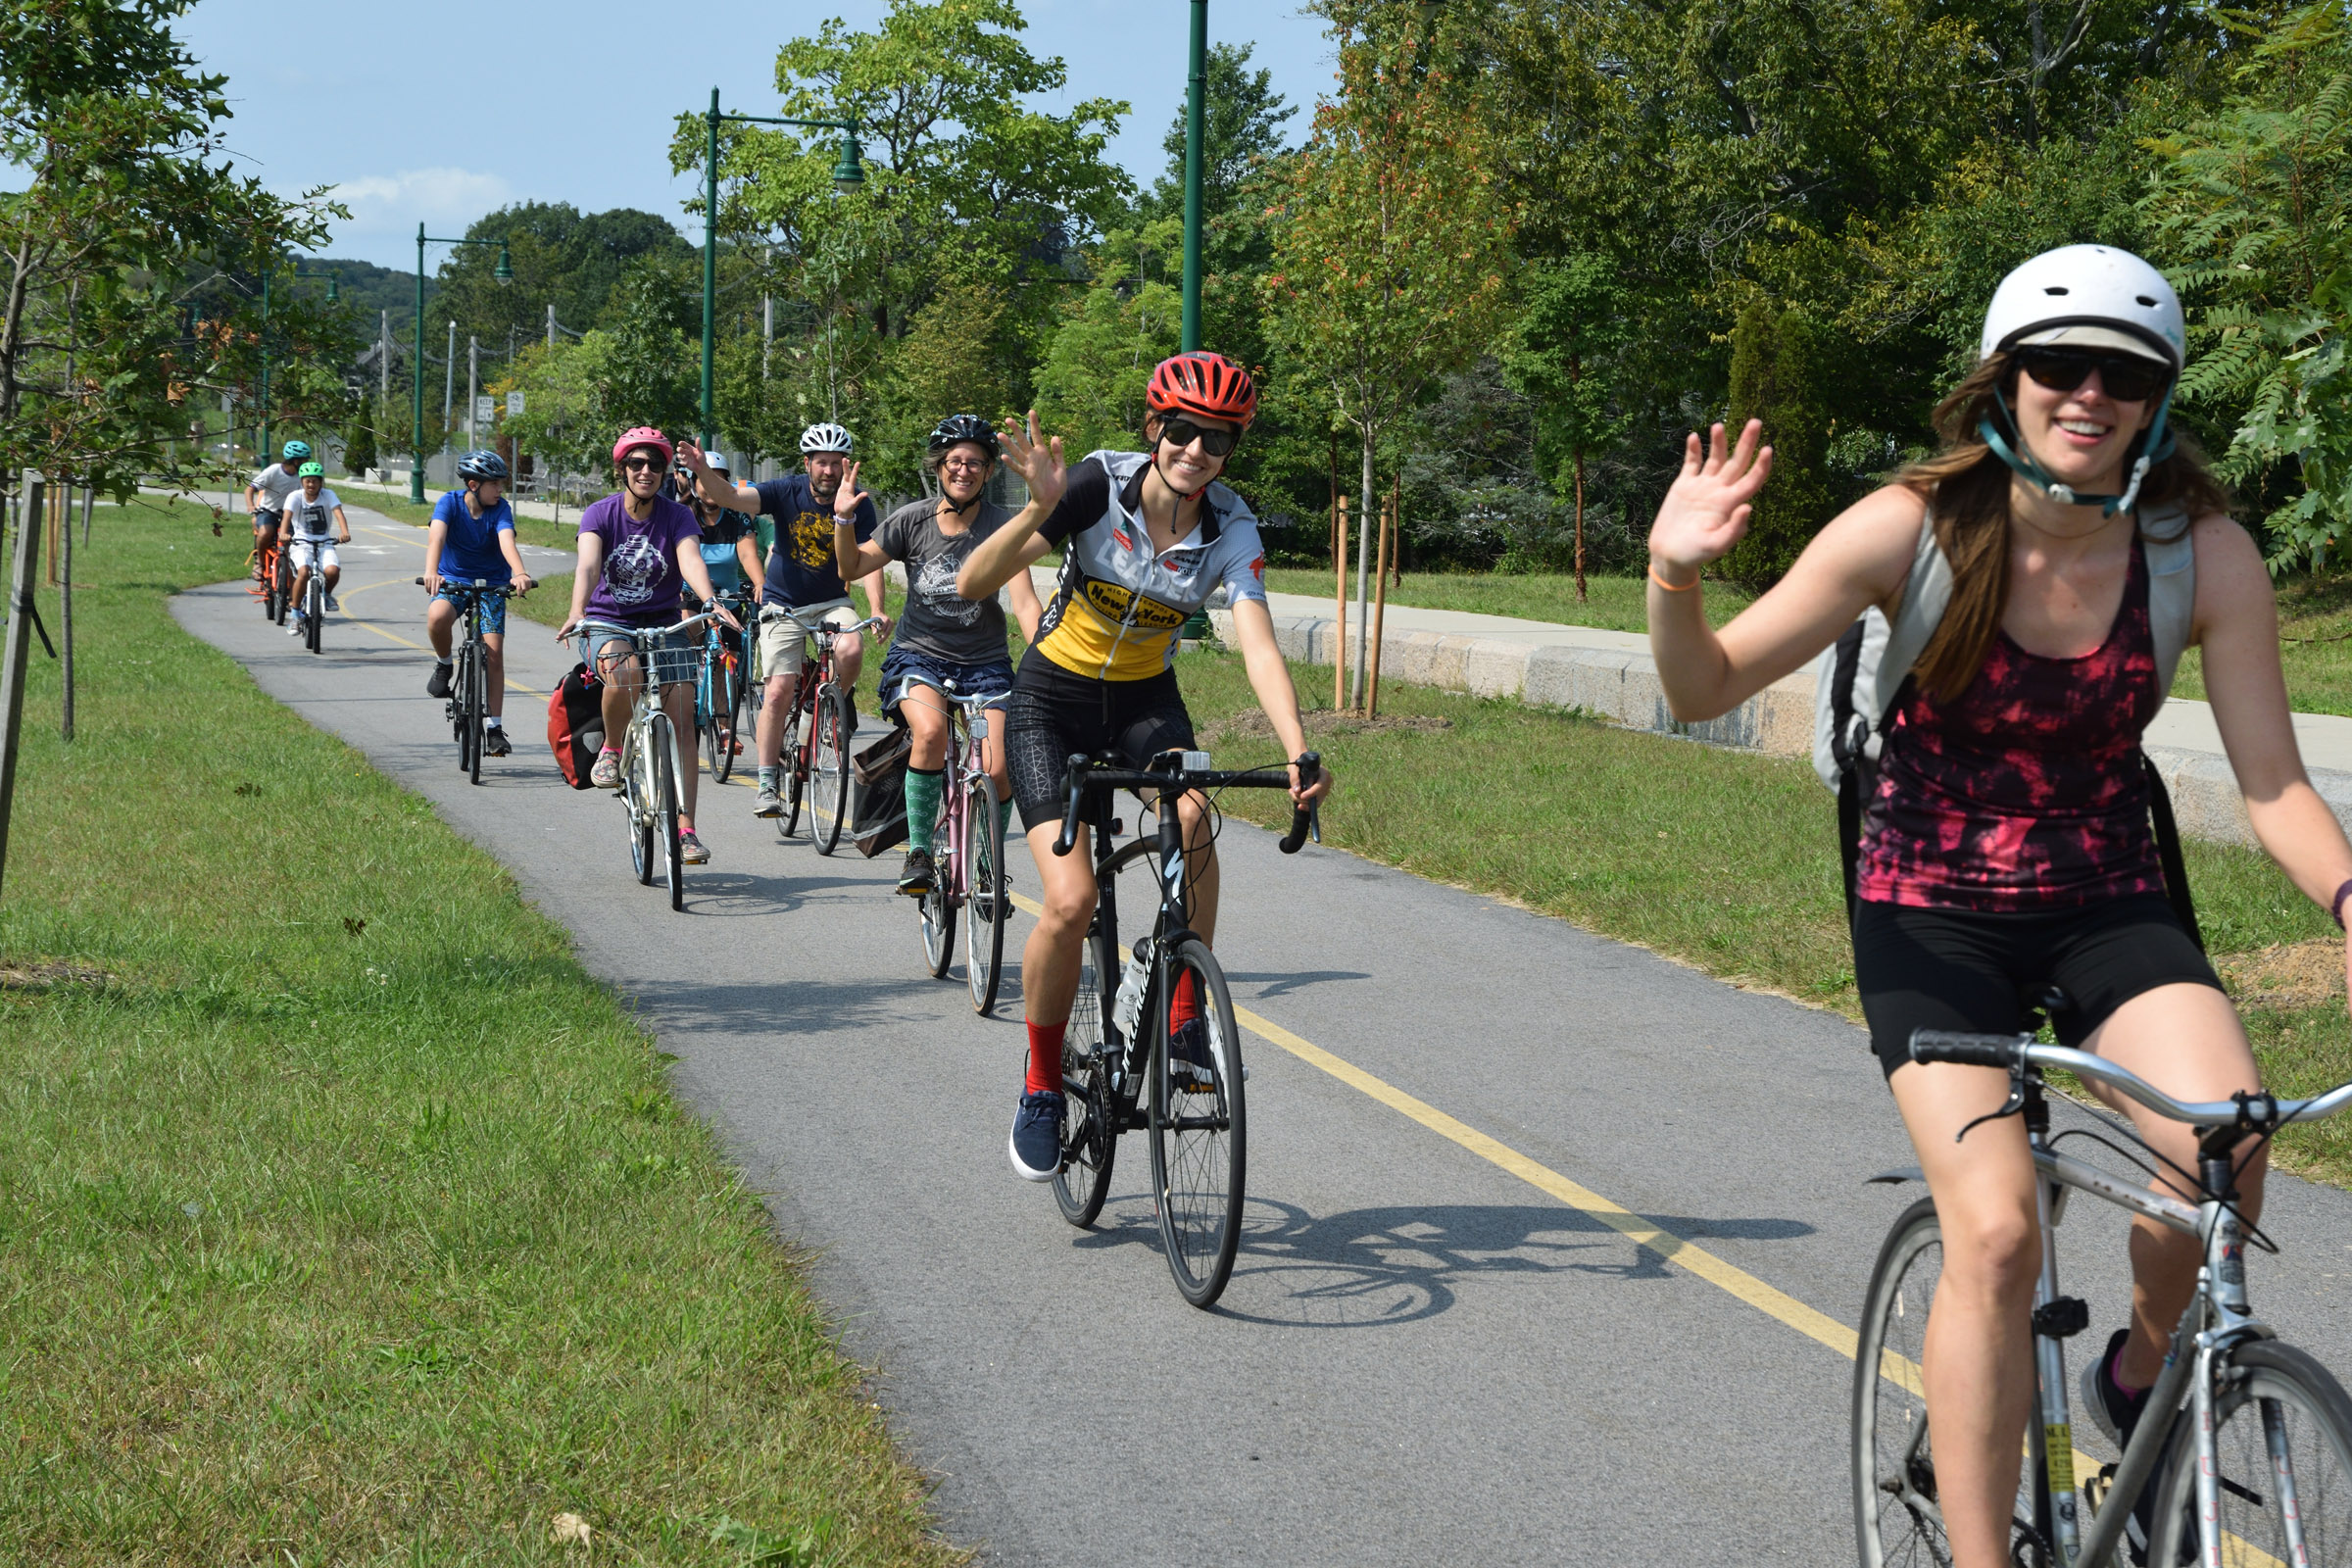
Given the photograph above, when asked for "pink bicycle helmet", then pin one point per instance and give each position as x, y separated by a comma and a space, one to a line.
644, 435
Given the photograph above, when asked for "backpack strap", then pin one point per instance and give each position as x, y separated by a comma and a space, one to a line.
1927, 593
2168, 852
2164, 535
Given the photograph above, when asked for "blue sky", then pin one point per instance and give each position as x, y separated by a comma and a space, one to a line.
438, 112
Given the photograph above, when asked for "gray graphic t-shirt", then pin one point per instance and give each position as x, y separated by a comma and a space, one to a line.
276, 483
938, 620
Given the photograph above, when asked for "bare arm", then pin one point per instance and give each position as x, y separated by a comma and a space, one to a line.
855, 557
716, 487
435, 536
876, 604
507, 548
342, 527
1025, 606
1861, 558
1016, 547
1270, 679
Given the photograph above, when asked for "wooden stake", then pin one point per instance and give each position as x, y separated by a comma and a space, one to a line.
1379, 605
1338, 573
59, 497
1397, 510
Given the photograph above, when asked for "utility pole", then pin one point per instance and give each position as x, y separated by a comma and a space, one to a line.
551, 326
449, 386
383, 356
32, 494
474, 382
1195, 153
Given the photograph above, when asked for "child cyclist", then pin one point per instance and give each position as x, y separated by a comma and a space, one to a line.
472, 537
2005, 846
1146, 537
942, 638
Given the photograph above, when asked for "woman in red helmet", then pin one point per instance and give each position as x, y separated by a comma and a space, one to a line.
1146, 537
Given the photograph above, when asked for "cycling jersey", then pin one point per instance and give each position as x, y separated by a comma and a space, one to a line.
1118, 607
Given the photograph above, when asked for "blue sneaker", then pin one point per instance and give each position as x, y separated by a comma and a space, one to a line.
1037, 1137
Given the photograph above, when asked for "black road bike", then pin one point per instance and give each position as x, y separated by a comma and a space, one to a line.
1118, 1071
469, 707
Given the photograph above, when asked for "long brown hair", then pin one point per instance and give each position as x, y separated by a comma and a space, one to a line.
1966, 486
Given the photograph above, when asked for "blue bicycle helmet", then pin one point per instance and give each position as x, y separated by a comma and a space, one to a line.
481, 465
295, 451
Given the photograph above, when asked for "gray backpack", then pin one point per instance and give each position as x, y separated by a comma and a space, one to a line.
1868, 672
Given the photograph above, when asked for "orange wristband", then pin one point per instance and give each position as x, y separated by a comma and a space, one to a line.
1670, 587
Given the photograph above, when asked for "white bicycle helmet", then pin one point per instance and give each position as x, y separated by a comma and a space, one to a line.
824, 436
2086, 296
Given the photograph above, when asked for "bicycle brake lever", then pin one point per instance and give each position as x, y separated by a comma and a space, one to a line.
2015, 1103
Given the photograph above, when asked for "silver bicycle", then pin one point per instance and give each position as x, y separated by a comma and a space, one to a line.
2246, 1441
650, 765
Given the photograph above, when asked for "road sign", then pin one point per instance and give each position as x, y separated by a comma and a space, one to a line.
485, 408
513, 405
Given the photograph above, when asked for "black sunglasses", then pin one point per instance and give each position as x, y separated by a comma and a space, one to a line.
1184, 432
639, 465
2127, 377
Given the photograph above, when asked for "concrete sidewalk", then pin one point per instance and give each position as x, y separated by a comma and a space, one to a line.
1610, 674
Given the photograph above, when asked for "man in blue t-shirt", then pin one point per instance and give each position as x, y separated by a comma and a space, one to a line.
472, 538
803, 586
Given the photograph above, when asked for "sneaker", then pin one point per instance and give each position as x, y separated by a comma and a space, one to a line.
1037, 1137
1188, 1067
769, 803
692, 851
331, 604
299, 624
606, 775
437, 683
917, 876
494, 740
2116, 1412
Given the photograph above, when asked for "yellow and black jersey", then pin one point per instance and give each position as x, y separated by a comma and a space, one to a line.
1115, 613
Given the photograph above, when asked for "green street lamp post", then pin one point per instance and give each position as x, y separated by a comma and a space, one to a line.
505, 274
1196, 114
335, 294
848, 174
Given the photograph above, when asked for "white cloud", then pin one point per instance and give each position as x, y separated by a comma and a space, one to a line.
385, 206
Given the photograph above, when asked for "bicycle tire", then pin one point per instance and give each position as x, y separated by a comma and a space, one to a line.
477, 711
938, 907
1200, 1138
829, 773
1896, 1519
268, 576
2315, 1419
984, 898
666, 808
726, 717
793, 784
1090, 1142
284, 597
313, 607
636, 796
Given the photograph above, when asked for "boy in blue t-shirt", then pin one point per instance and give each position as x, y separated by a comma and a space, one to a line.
472, 537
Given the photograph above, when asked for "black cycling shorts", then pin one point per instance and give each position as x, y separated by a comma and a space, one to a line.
1979, 972
1052, 713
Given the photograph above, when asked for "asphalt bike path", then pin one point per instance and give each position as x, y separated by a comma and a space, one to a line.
1555, 1246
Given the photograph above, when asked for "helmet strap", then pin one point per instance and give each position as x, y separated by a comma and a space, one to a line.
2155, 443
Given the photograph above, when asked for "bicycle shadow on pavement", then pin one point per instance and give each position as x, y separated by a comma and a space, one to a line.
1267, 987
785, 1007
1376, 1267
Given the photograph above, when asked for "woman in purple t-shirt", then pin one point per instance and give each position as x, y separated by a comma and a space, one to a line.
638, 549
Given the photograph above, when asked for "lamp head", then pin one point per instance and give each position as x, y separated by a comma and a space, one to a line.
503, 272
850, 173
334, 287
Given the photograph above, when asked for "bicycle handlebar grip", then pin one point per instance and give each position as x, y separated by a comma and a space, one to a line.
1069, 836
1310, 768
1965, 1050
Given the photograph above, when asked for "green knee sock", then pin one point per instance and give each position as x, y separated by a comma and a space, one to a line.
922, 806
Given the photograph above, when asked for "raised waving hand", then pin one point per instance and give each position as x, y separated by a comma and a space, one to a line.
1707, 510
1038, 460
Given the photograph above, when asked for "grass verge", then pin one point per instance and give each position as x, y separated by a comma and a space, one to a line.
344, 1217
1614, 603
2315, 631
1718, 858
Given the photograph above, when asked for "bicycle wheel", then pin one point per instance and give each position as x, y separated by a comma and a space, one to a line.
829, 773
1089, 1140
938, 905
637, 795
664, 747
2276, 1404
283, 598
792, 782
726, 713
477, 709
984, 898
1198, 1138
1898, 1521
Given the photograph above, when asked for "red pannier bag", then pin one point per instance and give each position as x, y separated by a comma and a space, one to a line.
575, 724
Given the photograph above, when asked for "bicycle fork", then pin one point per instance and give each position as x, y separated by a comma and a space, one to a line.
2056, 1318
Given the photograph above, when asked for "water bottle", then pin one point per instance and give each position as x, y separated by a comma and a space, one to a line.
1127, 1009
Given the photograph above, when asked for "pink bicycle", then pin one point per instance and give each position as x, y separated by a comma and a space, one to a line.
969, 848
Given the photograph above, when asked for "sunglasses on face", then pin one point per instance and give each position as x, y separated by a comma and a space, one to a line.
1184, 432
640, 464
2126, 377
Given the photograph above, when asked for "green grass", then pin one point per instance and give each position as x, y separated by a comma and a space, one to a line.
1722, 859
2314, 627
343, 1216
1614, 603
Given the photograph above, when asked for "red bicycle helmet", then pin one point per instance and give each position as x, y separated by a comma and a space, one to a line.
644, 435
1209, 385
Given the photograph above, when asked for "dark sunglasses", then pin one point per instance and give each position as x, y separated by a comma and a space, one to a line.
2127, 377
640, 464
1184, 432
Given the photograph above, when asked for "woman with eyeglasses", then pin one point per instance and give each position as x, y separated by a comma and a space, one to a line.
944, 639
2005, 845
1146, 537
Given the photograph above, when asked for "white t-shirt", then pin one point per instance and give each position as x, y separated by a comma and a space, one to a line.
313, 519
275, 484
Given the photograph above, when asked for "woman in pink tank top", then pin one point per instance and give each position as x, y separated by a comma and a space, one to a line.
2005, 843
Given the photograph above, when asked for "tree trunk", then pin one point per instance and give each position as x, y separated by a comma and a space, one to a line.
1364, 569
65, 608
1580, 525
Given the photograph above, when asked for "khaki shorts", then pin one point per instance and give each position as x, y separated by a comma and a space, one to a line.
783, 638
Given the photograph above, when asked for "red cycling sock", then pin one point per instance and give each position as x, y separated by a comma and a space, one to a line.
1185, 1006
1045, 1058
